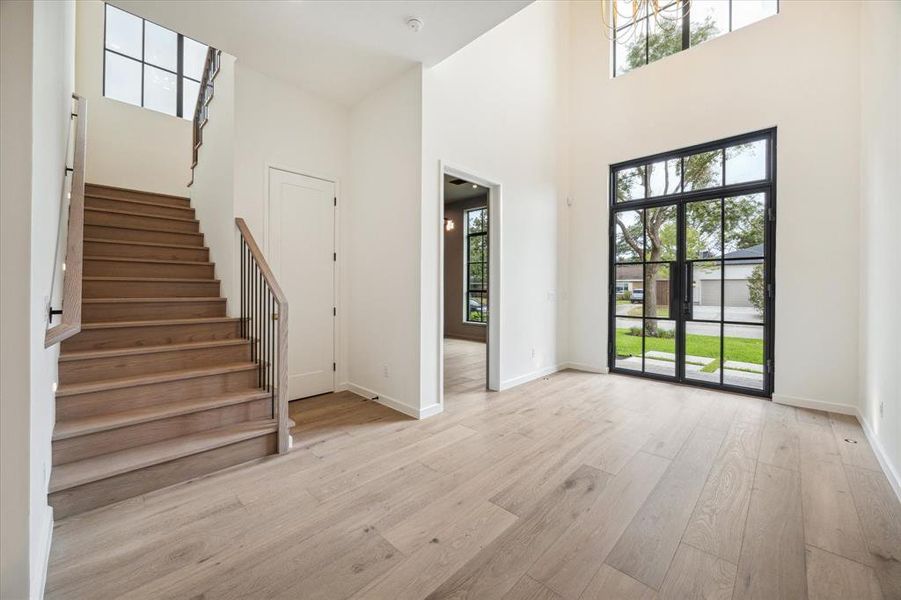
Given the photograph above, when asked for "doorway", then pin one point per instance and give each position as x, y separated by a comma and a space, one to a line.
301, 249
692, 257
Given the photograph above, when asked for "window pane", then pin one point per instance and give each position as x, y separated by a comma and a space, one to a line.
661, 231
664, 177
706, 290
160, 91
657, 290
743, 355
702, 352
477, 248
660, 347
708, 19
702, 229
746, 162
665, 33
477, 307
629, 233
122, 79
189, 92
194, 57
631, 47
743, 291
630, 290
123, 32
476, 220
704, 170
630, 184
746, 12
744, 234
628, 344
160, 46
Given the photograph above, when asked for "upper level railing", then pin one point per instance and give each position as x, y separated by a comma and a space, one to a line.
71, 233
264, 321
204, 97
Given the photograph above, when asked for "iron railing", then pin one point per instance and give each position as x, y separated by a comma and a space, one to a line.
264, 321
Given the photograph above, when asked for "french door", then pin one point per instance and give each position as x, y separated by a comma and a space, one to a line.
692, 256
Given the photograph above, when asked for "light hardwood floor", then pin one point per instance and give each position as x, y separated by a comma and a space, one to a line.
572, 486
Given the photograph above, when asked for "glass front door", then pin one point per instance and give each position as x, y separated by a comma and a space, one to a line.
692, 256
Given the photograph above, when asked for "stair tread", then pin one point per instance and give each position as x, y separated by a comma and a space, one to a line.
88, 470
74, 389
159, 261
157, 322
151, 244
95, 424
154, 299
138, 202
159, 279
122, 189
152, 229
74, 355
134, 214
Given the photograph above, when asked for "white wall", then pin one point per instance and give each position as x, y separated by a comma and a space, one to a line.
880, 210
797, 71
128, 146
37, 83
382, 233
497, 107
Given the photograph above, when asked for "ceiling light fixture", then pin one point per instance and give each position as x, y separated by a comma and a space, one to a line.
415, 24
624, 19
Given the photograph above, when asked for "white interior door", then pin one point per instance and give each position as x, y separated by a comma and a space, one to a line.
301, 253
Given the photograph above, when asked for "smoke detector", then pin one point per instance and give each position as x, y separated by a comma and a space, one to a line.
415, 24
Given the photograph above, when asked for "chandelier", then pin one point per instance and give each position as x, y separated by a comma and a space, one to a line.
624, 19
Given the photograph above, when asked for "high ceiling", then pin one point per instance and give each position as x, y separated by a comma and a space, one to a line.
341, 49
457, 190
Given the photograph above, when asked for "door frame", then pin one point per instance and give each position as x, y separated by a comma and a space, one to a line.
493, 333
768, 186
337, 322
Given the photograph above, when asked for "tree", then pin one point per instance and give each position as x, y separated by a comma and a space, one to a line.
756, 289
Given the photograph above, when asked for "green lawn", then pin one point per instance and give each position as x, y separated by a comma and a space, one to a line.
735, 348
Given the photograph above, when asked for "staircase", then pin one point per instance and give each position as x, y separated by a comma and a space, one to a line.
159, 386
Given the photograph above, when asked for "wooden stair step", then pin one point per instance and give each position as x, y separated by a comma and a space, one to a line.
129, 334
66, 429
142, 234
130, 308
123, 218
101, 467
119, 192
142, 287
110, 266
144, 207
116, 383
125, 249
87, 365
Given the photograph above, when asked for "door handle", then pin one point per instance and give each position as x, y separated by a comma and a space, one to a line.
687, 292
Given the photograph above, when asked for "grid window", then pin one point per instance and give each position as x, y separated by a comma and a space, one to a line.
679, 26
476, 309
150, 66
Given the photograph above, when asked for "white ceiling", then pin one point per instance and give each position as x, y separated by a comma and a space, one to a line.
457, 192
341, 49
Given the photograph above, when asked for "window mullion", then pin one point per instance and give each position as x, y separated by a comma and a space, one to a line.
143, 64
179, 85
686, 26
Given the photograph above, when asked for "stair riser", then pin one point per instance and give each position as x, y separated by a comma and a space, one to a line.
150, 311
120, 487
112, 268
150, 289
128, 337
107, 401
136, 235
136, 195
144, 209
148, 252
80, 371
92, 217
88, 446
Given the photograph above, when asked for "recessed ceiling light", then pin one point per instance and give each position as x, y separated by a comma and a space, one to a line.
474, 186
415, 24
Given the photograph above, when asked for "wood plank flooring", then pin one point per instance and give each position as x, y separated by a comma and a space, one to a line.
572, 487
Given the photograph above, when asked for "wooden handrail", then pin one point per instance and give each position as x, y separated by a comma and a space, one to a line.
71, 316
279, 369
201, 107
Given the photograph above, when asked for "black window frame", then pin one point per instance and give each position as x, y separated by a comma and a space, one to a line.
680, 200
179, 73
470, 291
686, 31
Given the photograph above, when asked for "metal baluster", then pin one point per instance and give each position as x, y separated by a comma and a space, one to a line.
242, 286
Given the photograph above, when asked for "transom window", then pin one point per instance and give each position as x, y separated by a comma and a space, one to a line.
679, 26
476, 309
150, 66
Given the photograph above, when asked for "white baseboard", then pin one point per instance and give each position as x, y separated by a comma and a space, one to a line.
39, 576
846, 409
798, 402
576, 366
395, 404
515, 381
